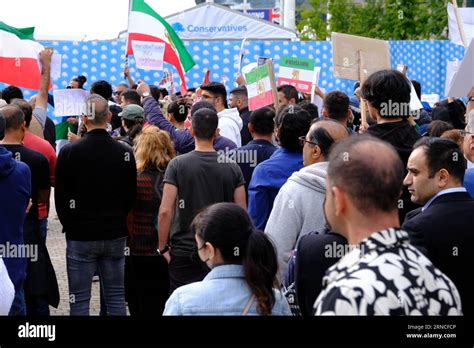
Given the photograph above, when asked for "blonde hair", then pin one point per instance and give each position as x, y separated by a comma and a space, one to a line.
153, 149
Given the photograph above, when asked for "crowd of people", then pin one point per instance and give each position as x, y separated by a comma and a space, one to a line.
194, 205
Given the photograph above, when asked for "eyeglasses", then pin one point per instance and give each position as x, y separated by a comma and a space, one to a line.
463, 133
303, 140
117, 92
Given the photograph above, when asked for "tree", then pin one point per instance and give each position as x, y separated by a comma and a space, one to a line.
381, 19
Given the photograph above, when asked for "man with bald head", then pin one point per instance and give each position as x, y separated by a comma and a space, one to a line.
95, 190
382, 274
298, 207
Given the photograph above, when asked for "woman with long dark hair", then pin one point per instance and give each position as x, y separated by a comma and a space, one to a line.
243, 268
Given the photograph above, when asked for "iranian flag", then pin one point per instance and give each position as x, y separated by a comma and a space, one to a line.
19, 57
297, 72
144, 24
260, 88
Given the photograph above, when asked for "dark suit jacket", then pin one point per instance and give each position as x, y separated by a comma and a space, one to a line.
315, 253
444, 232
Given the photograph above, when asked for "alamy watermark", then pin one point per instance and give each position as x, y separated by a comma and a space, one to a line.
10, 250
241, 156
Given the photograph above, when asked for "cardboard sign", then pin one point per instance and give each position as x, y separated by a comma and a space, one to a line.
70, 102
347, 51
148, 55
463, 79
261, 86
262, 60
297, 72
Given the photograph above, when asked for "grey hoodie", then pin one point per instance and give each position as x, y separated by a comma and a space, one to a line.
230, 124
298, 210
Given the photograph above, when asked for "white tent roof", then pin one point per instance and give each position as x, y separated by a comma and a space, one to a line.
210, 21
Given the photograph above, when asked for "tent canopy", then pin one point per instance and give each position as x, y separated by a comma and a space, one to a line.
210, 21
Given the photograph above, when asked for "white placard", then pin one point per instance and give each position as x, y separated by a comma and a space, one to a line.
463, 80
415, 103
69, 102
55, 66
431, 99
148, 55
452, 67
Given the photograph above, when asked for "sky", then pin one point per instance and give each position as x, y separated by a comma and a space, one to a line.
78, 19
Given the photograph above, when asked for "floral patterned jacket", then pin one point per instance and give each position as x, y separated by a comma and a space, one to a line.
386, 275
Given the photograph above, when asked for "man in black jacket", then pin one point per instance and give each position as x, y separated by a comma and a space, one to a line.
95, 189
387, 93
239, 99
443, 227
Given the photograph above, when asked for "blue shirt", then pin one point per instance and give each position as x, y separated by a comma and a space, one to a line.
267, 179
250, 155
15, 192
223, 291
469, 181
443, 192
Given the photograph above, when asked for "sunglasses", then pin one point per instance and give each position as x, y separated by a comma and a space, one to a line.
303, 140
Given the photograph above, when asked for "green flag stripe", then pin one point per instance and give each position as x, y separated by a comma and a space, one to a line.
297, 63
186, 60
257, 74
22, 33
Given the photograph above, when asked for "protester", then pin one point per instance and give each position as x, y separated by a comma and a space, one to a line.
95, 189
298, 207
435, 180
41, 288
230, 122
387, 93
311, 109
130, 96
261, 126
239, 99
119, 89
437, 128
133, 119
454, 135
183, 140
287, 95
468, 148
192, 182
15, 186
178, 112
239, 283
146, 273
104, 89
336, 107
270, 175
383, 274
7, 290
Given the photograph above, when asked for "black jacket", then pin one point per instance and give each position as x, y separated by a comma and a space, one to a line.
315, 253
96, 180
402, 136
445, 233
245, 133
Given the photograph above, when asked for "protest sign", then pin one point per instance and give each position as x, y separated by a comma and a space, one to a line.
55, 66
261, 87
463, 79
349, 50
69, 102
297, 72
148, 55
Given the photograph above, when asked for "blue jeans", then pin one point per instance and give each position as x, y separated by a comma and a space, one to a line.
83, 259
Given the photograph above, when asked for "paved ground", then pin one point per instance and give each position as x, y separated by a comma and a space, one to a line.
56, 243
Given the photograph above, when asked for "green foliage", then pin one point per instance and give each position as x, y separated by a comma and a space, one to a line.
381, 19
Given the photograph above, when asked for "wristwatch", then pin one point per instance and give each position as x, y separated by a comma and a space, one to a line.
164, 250
145, 94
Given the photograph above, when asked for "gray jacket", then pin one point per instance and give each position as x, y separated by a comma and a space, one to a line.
298, 210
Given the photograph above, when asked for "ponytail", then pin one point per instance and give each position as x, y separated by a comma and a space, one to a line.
260, 267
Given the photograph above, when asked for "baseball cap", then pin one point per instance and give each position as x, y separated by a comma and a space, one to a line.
132, 112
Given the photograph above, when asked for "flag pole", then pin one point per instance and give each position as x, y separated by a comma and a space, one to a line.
460, 24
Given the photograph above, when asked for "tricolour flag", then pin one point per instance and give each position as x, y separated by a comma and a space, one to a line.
19, 55
260, 87
144, 24
297, 72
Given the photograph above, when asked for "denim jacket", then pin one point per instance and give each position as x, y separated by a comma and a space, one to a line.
223, 291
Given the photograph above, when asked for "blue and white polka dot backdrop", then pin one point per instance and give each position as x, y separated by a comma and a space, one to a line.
104, 60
